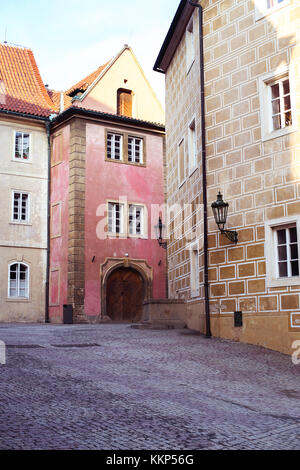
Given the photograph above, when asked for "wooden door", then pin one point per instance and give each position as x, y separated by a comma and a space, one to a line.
125, 295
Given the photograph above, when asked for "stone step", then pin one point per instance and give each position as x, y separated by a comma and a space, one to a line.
160, 325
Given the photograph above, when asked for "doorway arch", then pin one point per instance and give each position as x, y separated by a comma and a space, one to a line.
125, 294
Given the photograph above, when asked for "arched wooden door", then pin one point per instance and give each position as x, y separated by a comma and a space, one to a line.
125, 292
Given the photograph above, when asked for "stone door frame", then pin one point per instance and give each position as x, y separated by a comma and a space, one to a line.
112, 264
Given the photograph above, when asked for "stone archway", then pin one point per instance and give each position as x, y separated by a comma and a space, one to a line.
125, 294
125, 285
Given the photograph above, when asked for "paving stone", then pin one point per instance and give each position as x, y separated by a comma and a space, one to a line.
114, 387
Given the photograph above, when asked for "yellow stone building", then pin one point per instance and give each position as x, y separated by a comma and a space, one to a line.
244, 141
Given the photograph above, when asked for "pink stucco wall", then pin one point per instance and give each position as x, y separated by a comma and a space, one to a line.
59, 244
108, 180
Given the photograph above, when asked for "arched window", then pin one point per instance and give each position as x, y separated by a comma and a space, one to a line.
18, 281
124, 102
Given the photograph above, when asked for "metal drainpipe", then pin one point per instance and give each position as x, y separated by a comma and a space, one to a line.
204, 183
47, 320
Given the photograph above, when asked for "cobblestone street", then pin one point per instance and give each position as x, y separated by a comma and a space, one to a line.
114, 387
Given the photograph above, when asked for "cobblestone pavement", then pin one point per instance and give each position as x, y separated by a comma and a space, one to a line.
114, 387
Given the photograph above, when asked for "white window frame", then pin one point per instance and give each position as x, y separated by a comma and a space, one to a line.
192, 145
27, 281
23, 160
134, 138
113, 204
142, 220
19, 220
113, 154
271, 227
195, 267
190, 45
262, 10
181, 181
265, 83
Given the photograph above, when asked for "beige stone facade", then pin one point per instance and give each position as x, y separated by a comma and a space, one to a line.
23, 242
247, 50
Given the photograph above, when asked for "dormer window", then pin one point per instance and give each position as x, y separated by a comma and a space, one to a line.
124, 102
78, 92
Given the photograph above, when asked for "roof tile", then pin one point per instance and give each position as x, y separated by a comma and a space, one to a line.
21, 86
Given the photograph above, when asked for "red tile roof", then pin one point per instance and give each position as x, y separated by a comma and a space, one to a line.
21, 86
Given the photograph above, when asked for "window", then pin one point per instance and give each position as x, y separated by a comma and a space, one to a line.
282, 252
194, 270
22, 146
192, 146
114, 146
181, 162
136, 217
20, 207
125, 148
127, 219
115, 217
277, 104
281, 104
273, 3
18, 284
124, 102
135, 150
287, 252
265, 7
190, 50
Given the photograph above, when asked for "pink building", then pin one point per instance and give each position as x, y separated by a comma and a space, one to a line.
107, 183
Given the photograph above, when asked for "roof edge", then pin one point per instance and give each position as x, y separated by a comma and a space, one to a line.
173, 37
106, 117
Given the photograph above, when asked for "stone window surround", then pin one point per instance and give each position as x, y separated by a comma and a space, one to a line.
125, 219
263, 11
124, 156
270, 249
265, 105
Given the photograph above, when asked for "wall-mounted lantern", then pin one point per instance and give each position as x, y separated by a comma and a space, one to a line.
159, 231
220, 210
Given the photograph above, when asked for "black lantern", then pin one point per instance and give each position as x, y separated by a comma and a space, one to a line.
159, 228
220, 210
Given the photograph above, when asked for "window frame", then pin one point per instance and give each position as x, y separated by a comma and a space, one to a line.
134, 137
265, 83
181, 181
143, 221
190, 45
192, 146
121, 146
271, 252
124, 150
194, 269
28, 207
22, 160
262, 11
112, 233
27, 281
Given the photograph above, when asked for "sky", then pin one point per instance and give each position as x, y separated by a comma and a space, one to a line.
72, 38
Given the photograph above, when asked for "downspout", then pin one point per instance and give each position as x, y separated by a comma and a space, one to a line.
47, 320
204, 180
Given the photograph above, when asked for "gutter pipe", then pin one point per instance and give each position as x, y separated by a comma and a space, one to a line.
204, 180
